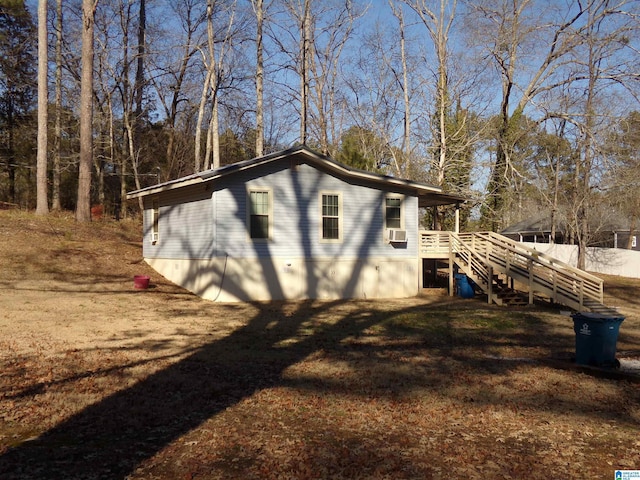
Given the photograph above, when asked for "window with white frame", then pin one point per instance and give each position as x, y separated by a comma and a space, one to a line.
393, 217
634, 242
155, 224
260, 214
331, 214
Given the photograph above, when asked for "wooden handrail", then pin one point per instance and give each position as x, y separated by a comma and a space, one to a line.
483, 250
532, 252
560, 280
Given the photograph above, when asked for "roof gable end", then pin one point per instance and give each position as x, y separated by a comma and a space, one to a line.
306, 155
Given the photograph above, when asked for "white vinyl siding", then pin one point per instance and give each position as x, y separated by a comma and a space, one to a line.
205, 221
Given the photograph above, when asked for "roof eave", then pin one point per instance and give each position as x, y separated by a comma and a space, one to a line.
164, 187
428, 195
430, 200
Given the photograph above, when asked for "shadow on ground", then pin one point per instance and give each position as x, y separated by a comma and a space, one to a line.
112, 437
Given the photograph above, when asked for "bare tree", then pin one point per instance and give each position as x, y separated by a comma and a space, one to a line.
129, 154
624, 175
42, 205
583, 97
83, 205
406, 139
212, 153
172, 84
132, 99
600, 64
312, 36
326, 44
213, 62
292, 35
57, 150
378, 92
259, 11
438, 24
305, 58
549, 174
510, 33
140, 83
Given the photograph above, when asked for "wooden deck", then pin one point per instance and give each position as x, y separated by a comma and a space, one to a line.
507, 271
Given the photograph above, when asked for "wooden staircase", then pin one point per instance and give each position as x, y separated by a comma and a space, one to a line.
506, 295
510, 273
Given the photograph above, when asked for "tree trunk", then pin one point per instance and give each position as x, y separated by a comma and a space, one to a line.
554, 205
213, 138
259, 80
99, 165
588, 147
200, 121
214, 134
210, 91
138, 88
55, 194
42, 206
438, 25
83, 205
305, 40
406, 139
11, 154
127, 145
134, 162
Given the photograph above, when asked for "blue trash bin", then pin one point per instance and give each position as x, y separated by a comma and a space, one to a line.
464, 288
596, 338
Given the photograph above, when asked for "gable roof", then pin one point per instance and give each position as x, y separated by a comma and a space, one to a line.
542, 224
428, 195
530, 225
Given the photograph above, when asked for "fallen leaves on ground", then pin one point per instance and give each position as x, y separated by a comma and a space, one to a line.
99, 381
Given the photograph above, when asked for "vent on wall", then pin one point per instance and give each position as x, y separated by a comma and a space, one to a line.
396, 236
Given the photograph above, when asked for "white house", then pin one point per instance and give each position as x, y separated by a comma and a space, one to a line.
290, 225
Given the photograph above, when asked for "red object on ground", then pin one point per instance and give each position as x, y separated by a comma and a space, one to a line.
97, 211
141, 282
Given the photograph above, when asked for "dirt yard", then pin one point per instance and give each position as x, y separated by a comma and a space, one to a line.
100, 380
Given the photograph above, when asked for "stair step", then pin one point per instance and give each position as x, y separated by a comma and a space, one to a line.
600, 308
511, 297
510, 302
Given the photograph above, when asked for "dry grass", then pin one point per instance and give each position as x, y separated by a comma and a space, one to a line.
101, 381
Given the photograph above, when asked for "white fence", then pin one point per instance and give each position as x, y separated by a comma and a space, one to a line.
609, 261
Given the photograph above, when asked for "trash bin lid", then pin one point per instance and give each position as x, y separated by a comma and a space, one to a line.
597, 317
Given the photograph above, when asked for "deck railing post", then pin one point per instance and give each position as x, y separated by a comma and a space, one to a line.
489, 284
420, 266
530, 266
457, 224
487, 252
450, 268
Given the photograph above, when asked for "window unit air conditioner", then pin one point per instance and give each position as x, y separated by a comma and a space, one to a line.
395, 235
